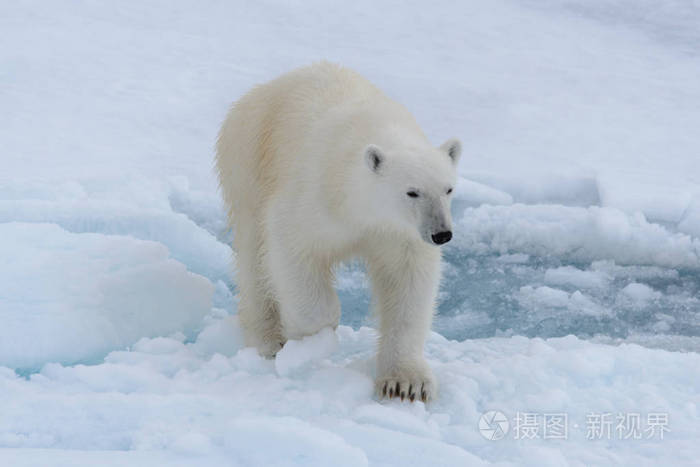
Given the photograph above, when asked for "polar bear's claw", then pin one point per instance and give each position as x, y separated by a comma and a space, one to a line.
389, 388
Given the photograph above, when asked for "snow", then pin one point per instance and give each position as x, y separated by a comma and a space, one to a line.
137, 207
555, 299
640, 293
74, 297
298, 354
572, 283
569, 275
166, 396
577, 234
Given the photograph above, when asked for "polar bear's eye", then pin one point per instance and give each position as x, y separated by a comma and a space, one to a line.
412, 194
449, 190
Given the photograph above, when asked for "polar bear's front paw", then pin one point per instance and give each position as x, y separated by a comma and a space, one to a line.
407, 382
269, 349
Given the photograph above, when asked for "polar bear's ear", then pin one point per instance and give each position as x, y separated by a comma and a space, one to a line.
374, 158
453, 148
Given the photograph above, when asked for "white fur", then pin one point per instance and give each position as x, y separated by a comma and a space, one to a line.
315, 167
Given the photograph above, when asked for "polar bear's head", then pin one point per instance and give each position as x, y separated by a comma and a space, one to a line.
412, 187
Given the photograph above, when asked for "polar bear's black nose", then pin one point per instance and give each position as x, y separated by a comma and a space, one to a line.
442, 237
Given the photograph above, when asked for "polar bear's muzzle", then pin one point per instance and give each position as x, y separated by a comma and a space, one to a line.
436, 225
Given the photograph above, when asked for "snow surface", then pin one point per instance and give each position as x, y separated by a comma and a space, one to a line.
572, 283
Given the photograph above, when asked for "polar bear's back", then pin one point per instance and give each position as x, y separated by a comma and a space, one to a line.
266, 128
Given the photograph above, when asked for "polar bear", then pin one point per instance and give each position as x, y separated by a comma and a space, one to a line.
319, 166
